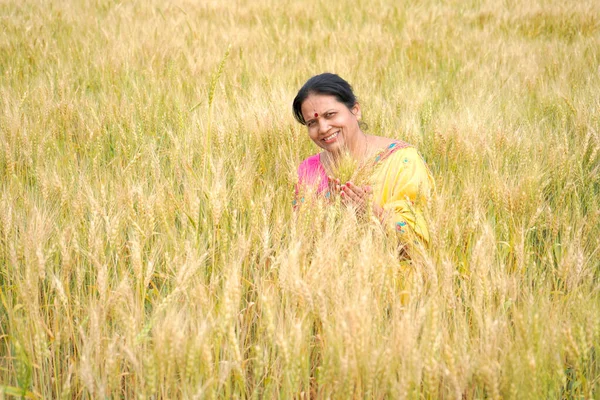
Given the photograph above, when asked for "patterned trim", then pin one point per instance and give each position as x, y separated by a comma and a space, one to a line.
391, 149
400, 225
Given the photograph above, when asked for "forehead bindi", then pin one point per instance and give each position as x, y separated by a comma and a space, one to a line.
316, 105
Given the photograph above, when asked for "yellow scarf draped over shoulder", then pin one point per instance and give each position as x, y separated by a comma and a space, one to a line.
402, 183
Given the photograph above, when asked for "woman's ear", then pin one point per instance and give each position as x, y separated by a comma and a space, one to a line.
356, 111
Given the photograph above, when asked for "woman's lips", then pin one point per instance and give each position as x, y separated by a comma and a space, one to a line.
331, 138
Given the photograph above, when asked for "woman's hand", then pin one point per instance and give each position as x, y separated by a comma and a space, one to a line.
355, 196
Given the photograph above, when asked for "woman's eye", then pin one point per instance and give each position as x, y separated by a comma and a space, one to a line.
329, 115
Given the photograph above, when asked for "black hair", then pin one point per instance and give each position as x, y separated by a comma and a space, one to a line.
326, 83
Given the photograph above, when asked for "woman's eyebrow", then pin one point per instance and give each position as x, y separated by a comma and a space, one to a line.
323, 113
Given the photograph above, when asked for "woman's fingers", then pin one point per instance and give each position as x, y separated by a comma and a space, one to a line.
350, 195
357, 190
333, 180
355, 194
334, 184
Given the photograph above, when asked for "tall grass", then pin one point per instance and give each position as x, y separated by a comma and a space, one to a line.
136, 263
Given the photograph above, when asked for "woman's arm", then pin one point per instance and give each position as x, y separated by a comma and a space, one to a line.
406, 187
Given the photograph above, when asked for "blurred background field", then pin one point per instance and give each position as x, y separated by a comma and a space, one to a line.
148, 248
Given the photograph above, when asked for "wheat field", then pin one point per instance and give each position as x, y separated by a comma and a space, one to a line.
148, 245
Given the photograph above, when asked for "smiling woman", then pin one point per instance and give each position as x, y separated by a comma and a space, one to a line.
364, 170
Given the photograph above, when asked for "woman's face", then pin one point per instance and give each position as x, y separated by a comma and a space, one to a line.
331, 125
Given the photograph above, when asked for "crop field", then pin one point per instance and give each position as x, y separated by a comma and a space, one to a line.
148, 243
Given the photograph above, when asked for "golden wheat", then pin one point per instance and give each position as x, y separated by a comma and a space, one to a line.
148, 243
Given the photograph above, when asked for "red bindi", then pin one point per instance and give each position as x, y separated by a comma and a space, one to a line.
316, 115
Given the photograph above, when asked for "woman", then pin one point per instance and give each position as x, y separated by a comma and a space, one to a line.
398, 181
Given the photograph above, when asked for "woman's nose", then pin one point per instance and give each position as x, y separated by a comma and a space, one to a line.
323, 125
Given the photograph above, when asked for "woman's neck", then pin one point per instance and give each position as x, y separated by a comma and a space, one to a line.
358, 148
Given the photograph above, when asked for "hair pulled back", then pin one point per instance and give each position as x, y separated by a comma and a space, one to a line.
327, 84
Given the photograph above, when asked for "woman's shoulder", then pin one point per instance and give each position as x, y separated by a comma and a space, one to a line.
408, 158
404, 149
311, 172
404, 154
311, 168
400, 155
310, 164
388, 147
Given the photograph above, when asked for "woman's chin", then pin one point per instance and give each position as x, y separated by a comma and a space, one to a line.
333, 147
